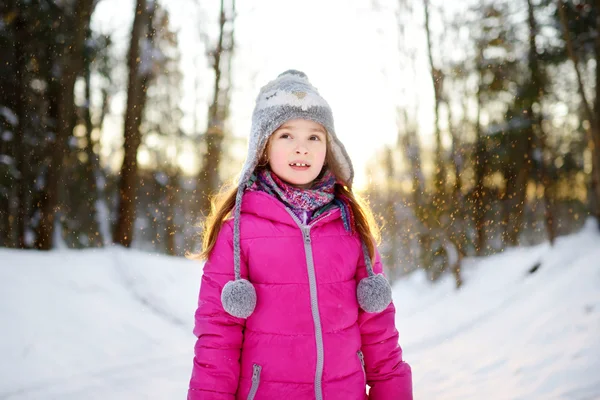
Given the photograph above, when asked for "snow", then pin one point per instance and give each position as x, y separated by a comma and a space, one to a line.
150, 57
116, 323
73, 142
102, 210
161, 178
7, 160
9, 115
103, 220
508, 334
96, 324
40, 182
7, 136
92, 43
514, 124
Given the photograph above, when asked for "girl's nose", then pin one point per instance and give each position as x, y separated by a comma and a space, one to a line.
301, 149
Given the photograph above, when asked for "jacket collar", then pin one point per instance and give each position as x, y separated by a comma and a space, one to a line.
266, 206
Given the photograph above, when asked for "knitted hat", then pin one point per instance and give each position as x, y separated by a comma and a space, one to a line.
291, 96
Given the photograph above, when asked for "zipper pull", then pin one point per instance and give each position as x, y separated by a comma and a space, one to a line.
256, 372
306, 234
361, 357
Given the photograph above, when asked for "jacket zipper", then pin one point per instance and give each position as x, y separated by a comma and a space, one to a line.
361, 357
314, 303
255, 381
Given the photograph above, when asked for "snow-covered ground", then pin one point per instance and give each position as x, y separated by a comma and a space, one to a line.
116, 324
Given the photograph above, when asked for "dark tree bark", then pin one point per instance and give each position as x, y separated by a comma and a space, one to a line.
92, 165
537, 86
136, 99
208, 178
518, 194
479, 171
457, 217
596, 132
593, 133
172, 190
19, 146
437, 78
71, 63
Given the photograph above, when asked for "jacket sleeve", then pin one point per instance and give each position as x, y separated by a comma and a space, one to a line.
216, 368
389, 377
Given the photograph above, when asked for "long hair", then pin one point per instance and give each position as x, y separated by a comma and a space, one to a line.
222, 204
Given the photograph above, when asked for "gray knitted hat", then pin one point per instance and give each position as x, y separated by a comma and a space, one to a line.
291, 96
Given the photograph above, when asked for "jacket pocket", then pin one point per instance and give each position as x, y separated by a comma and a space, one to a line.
361, 357
255, 381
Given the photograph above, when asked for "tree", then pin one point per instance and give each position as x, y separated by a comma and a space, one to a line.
496, 70
70, 63
30, 61
535, 94
437, 78
583, 20
139, 63
162, 121
218, 111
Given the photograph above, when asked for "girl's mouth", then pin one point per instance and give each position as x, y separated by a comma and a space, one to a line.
299, 166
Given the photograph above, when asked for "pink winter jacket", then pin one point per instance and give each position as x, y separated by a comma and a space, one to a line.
307, 337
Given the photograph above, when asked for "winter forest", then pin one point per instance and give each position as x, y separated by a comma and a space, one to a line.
474, 128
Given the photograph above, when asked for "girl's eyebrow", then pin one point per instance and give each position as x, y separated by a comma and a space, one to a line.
312, 130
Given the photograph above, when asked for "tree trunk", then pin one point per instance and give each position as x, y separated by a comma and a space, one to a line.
593, 133
457, 219
437, 80
479, 167
20, 145
537, 122
136, 99
103, 212
92, 229
456, 271
549, 191
519, 195
172, 191
509, 188
208, 179
596, 132
71, 64
391, 199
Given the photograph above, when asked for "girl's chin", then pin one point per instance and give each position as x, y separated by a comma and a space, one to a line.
299, 183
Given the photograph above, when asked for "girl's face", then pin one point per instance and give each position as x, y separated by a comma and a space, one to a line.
297, 142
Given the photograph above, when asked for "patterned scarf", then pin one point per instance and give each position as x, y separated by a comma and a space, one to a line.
311, 202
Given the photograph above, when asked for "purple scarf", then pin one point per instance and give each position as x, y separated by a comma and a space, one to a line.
306, 204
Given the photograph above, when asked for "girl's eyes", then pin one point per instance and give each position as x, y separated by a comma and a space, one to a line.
286, 135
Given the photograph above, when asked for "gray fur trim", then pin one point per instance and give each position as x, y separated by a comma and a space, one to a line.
239, 298
374, 293
293, 72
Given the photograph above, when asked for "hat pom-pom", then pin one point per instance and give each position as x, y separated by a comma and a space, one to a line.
239, 298
374, 293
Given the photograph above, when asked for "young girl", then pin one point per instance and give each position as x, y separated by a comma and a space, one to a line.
293, 303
